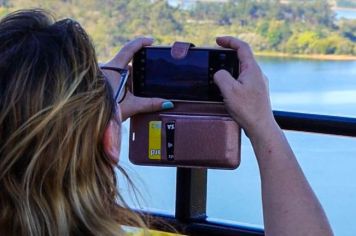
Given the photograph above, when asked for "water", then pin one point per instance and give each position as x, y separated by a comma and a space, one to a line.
346, 13
312, 86
329, 162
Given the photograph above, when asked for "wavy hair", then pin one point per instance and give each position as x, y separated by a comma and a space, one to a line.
55, 178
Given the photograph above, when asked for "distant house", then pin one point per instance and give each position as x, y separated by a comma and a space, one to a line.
189, 3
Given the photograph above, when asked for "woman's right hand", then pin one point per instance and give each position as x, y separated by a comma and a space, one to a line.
288, 200
247, 98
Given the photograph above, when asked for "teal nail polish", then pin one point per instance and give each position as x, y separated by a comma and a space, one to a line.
167, 105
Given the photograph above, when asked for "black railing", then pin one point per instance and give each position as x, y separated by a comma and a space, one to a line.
316, 123
191, 186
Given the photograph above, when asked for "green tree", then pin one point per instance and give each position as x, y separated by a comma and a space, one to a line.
305, 26
347, 29
277, 32
300, 43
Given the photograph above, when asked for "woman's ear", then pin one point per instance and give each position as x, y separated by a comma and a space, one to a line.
112, 140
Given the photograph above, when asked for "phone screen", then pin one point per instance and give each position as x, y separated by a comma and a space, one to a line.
187, 78
157, 74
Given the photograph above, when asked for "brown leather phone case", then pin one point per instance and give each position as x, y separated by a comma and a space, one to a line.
190, 135
193, 134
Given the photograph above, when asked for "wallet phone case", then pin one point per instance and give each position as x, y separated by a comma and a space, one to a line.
190, 135
193, 134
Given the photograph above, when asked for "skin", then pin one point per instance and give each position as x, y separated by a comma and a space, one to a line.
289, 205
131, 105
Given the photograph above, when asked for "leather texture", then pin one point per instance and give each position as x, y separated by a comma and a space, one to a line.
180, 50
205, 136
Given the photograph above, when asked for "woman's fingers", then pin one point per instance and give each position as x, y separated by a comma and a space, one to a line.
226, 83
134, 105
243, 49
247, 98
127, 52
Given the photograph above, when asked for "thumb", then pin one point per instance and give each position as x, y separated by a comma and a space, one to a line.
225, 82
152, 104
133, 105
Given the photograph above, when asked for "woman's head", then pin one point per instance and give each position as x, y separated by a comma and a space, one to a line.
55, 105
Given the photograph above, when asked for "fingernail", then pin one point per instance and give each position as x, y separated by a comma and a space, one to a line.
167, 105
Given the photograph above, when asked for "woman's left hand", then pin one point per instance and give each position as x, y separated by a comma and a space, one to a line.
131, 104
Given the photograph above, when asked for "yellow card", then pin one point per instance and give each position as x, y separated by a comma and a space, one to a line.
154, 140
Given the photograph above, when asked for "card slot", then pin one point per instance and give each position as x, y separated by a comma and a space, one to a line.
206, 141
200, 141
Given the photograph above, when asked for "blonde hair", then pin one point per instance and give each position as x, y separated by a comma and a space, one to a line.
55, 178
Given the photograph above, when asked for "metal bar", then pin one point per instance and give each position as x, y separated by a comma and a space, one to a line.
321, 124
191, 189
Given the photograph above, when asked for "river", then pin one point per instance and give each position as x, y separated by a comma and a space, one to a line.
329, 162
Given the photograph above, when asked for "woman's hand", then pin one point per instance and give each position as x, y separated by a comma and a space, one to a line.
288, 200
131, 104
247, 98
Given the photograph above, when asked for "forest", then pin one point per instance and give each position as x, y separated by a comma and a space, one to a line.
273, 26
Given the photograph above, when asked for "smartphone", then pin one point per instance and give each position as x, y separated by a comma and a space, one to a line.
157, 74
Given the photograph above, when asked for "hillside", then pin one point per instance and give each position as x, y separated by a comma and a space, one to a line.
306, 27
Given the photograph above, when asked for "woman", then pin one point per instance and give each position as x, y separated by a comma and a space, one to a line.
59, 132
59, 129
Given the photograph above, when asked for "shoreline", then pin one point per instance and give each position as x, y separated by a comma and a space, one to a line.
343, 9
308, 56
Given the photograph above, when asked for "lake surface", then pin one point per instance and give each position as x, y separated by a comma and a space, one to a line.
329, 162
346, 13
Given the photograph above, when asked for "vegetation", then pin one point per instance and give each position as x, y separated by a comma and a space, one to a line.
295, 27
